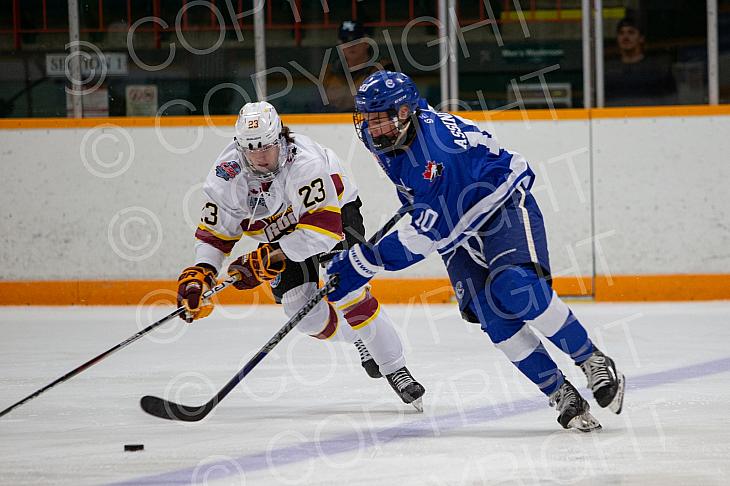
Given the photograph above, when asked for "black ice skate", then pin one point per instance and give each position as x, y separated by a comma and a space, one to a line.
367, 361
574, 410
605, 381
408, 389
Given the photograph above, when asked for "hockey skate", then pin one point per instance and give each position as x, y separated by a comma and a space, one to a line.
408, 389
367, 361
606, 383
574, 410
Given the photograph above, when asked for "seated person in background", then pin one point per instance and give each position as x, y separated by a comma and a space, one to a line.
357, 53
636, 79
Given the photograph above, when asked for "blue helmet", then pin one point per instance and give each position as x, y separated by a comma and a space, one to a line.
385, 92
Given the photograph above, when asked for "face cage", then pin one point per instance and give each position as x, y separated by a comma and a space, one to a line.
281, 160
383, 142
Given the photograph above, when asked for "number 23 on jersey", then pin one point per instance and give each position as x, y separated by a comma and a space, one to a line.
313, 193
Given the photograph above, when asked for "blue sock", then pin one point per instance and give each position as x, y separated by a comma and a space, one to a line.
541, 370
573, 339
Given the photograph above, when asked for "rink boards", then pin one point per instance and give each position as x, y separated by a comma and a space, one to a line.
634, 201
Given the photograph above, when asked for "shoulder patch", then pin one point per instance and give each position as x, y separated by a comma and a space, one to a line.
228, 170
433, 170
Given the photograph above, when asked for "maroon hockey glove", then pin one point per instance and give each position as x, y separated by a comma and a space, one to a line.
192, 283
261, 265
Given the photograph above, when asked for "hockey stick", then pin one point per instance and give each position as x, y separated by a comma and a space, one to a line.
222, 285
390, 223
159, 407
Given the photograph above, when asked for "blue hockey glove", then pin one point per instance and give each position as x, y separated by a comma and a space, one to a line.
355, 268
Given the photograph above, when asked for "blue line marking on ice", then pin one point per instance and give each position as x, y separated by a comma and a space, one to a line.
424, 427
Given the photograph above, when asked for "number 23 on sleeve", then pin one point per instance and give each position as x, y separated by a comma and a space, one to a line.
313, 193
210, 214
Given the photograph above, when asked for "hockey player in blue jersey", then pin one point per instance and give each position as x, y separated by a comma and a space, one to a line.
471, 203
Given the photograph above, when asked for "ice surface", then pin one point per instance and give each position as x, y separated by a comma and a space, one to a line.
309, 415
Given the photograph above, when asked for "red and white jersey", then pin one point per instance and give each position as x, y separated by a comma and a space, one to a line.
299, 209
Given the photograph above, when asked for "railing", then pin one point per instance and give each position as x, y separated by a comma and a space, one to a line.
535, 13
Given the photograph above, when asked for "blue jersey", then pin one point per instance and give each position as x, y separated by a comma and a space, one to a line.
456, 176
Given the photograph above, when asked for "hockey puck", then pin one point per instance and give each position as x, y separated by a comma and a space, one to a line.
133, 447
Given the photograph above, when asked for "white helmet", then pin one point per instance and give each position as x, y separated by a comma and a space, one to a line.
260, 141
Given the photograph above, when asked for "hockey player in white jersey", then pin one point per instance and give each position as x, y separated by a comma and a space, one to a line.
472, 204
290, 194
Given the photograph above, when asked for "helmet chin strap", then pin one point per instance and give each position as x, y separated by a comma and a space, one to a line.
404, 130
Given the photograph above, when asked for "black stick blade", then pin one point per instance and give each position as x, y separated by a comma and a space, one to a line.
173, 411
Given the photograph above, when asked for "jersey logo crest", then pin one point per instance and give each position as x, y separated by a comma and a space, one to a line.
433, 170
228, 170
458, 289
256, 201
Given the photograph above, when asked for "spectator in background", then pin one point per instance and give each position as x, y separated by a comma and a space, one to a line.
635, 78
357, 50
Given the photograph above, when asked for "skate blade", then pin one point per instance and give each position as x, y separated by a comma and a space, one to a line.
585, 422
418, 404
617, 404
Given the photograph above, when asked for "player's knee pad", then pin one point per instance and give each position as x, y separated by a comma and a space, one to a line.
320, 322
517, 292
353, 298
361, 311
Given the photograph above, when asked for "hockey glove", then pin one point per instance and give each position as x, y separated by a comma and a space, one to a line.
256, 267
192, 283
355, 267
